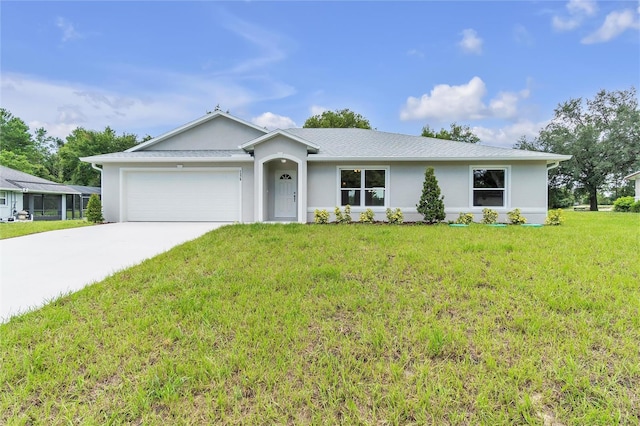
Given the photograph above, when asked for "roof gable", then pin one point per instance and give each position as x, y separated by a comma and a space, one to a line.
216, 130
249, 146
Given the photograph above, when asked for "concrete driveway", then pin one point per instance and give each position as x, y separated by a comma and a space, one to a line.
37, 268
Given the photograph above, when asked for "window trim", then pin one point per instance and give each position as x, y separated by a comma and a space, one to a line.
362, 168
3, 198
506, 189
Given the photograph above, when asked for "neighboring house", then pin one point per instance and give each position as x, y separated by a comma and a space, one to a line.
42, 198
635, 176
221, 168
77, 203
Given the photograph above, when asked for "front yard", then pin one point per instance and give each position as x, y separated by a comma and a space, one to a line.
19, 229
344, 324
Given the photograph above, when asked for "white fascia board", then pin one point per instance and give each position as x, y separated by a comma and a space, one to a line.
243, 159
633, 176
41, 191
190, 125
426, 159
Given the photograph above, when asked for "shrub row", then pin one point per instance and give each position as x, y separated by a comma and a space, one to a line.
489, 217
394, 216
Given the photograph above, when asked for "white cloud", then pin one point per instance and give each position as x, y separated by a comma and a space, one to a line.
470, 42
565, 24
271, 46
578, 11
507, 136
61, 106
317, 110
415, 52
522, 35
587, 7
463, 102
614, 24
272, 121
68, 31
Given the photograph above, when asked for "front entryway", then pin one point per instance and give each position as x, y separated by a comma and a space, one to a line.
285, 196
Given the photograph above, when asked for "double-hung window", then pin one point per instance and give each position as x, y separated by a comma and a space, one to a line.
363, 187
3, 198
489, 187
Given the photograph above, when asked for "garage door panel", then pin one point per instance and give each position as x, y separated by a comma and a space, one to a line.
182, 195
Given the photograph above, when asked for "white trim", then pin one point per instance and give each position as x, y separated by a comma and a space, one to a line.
549, 160
124, 170
246, 158
387, 176
259, 186
4, 197
278, 132
506, 189
633, 176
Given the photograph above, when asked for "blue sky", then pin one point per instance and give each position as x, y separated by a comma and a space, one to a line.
147, 67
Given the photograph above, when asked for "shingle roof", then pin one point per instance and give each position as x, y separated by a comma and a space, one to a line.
86, 189
370, 144
346, 145
14, 180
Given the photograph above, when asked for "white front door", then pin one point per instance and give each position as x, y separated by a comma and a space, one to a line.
285, 199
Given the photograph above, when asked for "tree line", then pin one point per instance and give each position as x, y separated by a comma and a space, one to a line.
49, 157
601, 134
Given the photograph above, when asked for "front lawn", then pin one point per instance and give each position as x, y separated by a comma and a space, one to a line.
19, 229
345, 324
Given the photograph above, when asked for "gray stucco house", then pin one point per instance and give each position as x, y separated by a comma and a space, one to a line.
42, 198
222, 168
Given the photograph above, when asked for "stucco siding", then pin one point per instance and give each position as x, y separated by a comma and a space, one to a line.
280, 144
11, 197
111, 187
218, 133
526, 188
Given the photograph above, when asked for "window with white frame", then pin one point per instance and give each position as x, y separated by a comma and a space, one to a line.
3, 198
363, 187
489, 187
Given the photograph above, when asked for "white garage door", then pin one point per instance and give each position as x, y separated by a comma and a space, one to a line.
182, 195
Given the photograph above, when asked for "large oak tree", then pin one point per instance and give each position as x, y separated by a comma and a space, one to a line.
603, 136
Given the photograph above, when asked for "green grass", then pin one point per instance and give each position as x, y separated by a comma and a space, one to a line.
19, 229
345, 324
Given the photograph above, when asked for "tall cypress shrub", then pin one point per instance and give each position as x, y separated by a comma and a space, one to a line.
431, 204
94, 209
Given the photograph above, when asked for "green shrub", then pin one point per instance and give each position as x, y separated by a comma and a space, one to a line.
623, 204
367, 216
465, 218
94, 209
395, 217
635, 207
431, 204
515, 218
321, 216
343, 217
554, 217
489, 216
